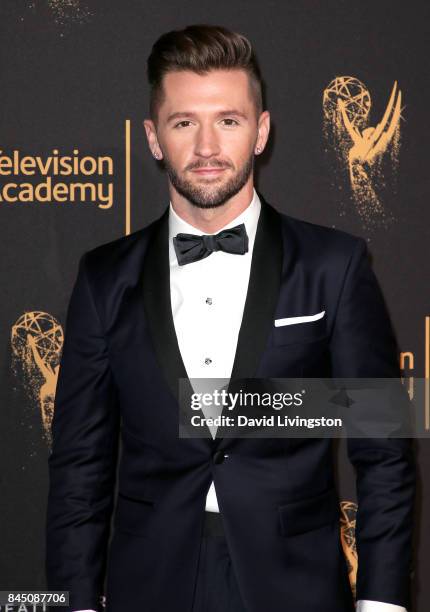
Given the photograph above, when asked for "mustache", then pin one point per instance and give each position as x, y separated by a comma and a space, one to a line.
214, 163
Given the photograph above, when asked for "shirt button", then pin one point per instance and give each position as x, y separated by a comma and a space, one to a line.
209, 301
208, 360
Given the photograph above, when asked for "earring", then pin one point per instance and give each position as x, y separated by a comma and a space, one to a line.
155, 155
258, 149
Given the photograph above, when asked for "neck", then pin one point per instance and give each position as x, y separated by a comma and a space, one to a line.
210, 220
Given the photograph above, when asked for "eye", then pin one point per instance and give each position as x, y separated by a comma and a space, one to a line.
231, 121
181, 123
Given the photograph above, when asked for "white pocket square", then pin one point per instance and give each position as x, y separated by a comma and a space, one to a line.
294, 320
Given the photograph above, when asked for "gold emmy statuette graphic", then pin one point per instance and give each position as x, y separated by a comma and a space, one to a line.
348, 512
361, 148
37, 341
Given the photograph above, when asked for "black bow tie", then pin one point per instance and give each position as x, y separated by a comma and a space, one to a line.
191, 247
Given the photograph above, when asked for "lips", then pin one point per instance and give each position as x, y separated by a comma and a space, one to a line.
208, 171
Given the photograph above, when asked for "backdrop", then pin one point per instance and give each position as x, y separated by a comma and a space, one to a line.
75, 172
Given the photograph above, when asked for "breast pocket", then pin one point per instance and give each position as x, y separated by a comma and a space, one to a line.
302, 332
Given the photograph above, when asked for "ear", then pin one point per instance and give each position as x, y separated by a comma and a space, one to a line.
263, 132
151, 136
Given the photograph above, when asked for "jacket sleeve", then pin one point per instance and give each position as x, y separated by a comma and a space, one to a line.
82, 465
363, 345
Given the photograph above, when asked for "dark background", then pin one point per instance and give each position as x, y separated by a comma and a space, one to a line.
72, 72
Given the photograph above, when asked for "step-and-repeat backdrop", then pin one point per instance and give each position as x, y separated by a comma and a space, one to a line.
75, 172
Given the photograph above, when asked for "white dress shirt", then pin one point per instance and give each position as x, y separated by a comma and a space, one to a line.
208, 299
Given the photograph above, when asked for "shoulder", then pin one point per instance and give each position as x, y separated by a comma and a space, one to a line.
115, 256
318, 243
320, 236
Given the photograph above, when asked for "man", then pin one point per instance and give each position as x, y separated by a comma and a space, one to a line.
195, 294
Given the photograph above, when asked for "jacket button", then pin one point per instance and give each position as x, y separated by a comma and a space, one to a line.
218, 457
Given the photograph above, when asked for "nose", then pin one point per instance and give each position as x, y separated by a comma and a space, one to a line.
207, 144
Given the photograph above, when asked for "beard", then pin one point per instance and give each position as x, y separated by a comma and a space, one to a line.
209, 195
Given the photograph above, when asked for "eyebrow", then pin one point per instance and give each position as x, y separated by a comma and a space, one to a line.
225, 113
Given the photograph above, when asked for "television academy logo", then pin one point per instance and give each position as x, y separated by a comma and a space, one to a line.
348, 514
37, 341
360, 148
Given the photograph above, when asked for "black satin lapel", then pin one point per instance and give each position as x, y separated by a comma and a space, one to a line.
156, 297
158, 310
262, 296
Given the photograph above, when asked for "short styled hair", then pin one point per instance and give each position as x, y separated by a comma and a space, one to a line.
201, 48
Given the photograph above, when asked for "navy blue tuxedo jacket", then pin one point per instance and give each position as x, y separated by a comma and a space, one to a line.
116, 422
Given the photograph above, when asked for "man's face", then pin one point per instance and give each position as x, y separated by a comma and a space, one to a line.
206, 133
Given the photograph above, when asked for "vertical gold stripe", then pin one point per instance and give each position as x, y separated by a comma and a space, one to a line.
427, 374
127, 178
